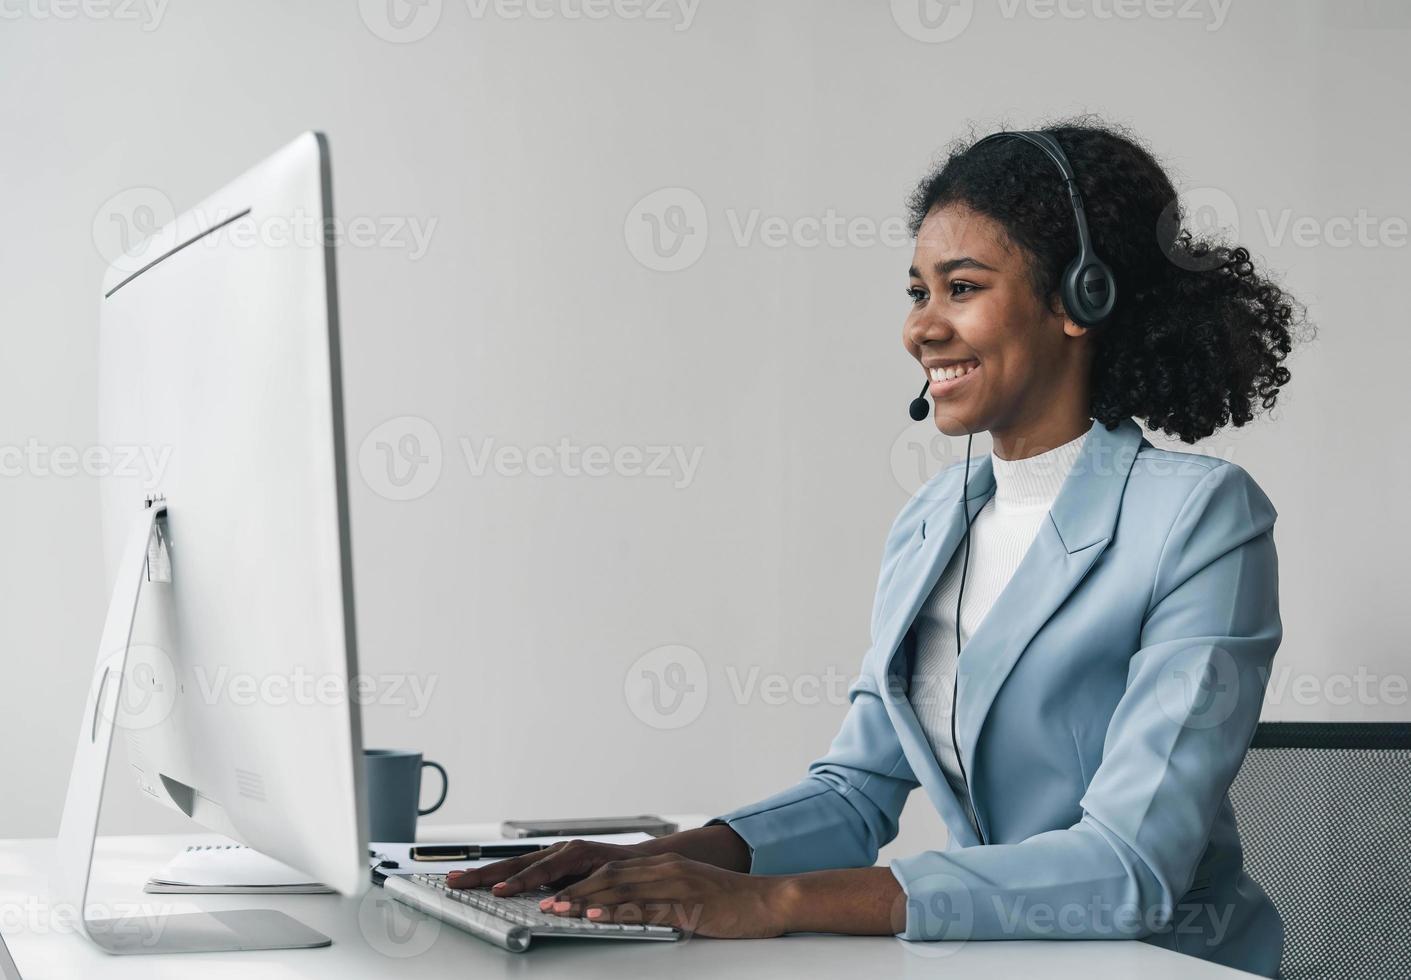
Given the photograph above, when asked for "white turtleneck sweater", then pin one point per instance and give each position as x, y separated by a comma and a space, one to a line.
1000, 534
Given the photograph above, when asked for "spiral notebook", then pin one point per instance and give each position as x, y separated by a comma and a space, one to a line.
230, 869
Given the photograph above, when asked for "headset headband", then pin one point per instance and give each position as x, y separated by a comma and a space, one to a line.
1088, 289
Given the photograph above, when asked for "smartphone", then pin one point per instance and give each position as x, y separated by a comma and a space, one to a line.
646, 824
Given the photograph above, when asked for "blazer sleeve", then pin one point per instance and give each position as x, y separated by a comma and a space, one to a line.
1194, 692
846, 807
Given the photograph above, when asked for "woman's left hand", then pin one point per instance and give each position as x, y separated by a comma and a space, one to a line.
670, 890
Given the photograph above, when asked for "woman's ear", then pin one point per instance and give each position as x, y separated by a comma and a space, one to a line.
1072, 329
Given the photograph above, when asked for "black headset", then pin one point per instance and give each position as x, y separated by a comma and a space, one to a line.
1088, 288
1089, 292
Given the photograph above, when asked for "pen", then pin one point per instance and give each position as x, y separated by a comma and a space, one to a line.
471, 852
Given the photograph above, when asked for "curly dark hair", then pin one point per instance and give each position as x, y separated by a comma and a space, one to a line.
1198, 334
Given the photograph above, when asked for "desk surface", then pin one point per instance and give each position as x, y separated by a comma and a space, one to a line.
375, 937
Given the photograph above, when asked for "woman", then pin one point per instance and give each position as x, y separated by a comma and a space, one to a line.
1118, 603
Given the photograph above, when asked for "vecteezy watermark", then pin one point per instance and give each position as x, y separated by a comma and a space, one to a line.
1211, 215
678, 464
301, 686
668, 229
125, 226
400, 21
402, 458
919, 452
146, 13
394, 929
933, 21
405, 21
1202, 691
940, 911
827, 230
125, 229
937, 21
667, 687
43, 461
1100, 917
776, 689
136, 686
140, 923
681, 14
1362, 687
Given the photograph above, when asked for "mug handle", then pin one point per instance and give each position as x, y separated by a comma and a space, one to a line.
445, 785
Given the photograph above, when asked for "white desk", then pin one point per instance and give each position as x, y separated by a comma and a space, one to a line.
375, 937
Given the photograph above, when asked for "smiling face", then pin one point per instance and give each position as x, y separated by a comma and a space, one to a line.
998, 358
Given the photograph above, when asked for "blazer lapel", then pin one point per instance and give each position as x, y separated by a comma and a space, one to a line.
932, 550
1077, 531
1071, 539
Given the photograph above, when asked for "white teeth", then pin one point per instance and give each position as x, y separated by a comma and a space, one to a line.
951, 373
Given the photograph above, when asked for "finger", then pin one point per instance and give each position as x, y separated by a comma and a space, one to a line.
489, 874
567, 862
652, 868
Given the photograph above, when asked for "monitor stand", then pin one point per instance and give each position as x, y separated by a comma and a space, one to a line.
144, 556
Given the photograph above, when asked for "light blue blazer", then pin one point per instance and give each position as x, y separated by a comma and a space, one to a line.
1105, 704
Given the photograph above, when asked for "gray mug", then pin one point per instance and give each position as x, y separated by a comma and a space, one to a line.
392, 780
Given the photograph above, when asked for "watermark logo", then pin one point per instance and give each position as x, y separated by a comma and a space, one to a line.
939, 906
393, 929
1200, 695
125, 223
919, 452
400, 21
933, 21
401, 458
666, 688
137, 687
1209, 214
667, 230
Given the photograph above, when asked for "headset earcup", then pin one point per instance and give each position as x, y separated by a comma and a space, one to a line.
1089, 291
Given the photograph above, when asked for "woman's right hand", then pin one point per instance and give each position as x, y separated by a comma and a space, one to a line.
561, 862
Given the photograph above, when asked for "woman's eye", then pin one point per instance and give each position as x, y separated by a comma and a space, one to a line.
961, 288
917, 294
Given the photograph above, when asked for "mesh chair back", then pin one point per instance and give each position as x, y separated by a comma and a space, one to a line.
1324, 816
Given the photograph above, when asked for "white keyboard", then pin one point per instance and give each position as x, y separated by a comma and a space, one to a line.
510, 922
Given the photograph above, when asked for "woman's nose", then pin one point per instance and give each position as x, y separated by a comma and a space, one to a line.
928, 326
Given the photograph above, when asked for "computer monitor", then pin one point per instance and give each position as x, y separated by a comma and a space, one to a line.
220, 389
8, 970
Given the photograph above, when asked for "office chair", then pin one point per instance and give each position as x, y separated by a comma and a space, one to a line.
1324, 814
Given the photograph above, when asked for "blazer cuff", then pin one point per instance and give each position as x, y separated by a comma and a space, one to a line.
939, 905
801, 829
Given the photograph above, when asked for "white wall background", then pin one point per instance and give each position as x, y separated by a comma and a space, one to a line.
527, 319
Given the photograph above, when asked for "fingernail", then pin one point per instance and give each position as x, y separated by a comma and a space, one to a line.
545, 903
561, 906
498, 884
595, 913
